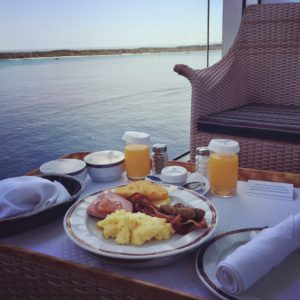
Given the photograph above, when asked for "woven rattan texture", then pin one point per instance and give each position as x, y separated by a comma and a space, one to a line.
29, 275
263, 154
262, 67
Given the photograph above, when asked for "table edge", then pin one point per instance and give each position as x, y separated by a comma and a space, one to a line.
244, 173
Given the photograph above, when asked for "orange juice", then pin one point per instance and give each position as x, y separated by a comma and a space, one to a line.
223, 173
223, 165
137, 161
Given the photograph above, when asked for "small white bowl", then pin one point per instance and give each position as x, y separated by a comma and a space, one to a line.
105, 166
66, 166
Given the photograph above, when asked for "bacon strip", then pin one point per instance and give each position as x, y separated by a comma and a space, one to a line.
187, 226
142, 204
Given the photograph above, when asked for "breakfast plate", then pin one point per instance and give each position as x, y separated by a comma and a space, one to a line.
82, 230
282, 282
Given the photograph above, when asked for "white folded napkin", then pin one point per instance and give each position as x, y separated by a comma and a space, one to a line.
267, 249
25, 194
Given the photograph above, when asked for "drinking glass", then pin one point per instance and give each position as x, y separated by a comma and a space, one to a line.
223, 167
137, 154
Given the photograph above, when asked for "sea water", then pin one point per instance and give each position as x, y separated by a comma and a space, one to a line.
50, 107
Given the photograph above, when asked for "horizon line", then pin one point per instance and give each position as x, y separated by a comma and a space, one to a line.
106, 48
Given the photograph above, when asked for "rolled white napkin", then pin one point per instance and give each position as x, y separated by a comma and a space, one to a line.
26, 194
248, 263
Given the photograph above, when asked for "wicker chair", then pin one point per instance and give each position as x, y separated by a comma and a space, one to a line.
253, 93
31, 275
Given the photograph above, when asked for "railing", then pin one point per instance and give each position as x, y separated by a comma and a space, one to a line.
244, 5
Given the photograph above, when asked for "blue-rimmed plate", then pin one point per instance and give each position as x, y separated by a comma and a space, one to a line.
281, 283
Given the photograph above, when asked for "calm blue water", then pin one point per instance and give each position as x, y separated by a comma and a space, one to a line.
53, 107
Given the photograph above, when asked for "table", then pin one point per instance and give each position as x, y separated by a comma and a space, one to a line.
174, 281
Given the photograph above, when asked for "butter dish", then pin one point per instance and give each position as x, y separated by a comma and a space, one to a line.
174, 175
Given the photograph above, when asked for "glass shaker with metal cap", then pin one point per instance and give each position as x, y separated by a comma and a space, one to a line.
159, 158
201, 159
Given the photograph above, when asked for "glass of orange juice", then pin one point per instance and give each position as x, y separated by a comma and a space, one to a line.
223, 167
137, 154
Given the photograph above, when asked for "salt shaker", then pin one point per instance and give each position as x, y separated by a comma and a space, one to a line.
159, 157
202, 157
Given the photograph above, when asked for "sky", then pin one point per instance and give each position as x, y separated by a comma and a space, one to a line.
89, 24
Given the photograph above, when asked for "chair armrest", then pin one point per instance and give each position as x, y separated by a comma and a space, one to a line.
220, 87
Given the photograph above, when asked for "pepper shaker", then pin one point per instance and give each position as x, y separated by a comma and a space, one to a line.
159, 158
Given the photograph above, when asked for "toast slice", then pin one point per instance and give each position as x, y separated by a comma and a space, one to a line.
157, 194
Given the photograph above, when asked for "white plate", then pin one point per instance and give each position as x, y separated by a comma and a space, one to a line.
83, 231
198, 179
200, 182
283, 282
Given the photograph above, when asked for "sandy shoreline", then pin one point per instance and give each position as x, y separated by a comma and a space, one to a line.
99, 52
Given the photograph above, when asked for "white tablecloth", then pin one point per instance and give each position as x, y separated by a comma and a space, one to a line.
235, 212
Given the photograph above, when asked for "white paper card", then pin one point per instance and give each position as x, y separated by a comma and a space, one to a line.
270, 190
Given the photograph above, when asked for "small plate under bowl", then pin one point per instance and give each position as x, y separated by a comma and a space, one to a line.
22, 223
66, 166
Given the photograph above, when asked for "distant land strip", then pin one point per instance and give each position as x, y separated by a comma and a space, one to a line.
65, 52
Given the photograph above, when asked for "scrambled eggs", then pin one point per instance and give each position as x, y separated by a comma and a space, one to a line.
134, 228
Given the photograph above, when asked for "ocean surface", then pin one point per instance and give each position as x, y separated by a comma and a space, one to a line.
50, 107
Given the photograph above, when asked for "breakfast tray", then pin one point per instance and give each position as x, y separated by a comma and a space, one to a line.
32, 275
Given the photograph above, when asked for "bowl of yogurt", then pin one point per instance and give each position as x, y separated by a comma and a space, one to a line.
106, 165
